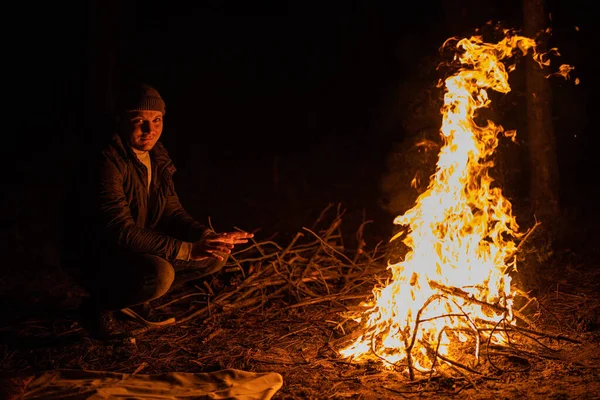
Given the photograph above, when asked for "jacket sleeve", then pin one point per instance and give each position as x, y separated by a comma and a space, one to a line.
118, 222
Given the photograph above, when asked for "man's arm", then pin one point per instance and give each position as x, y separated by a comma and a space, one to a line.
118, 221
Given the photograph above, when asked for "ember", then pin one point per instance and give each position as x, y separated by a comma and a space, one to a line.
453, 288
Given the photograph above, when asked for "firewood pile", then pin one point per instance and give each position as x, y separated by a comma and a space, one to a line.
289, 306
315, 271
313, 268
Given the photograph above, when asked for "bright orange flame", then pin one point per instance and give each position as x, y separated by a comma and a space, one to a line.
461, 232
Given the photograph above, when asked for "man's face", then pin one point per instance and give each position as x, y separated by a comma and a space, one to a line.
143, 128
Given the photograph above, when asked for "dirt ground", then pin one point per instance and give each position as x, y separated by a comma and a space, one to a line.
286, 331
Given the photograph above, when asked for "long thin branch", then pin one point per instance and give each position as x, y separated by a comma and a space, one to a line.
331, 247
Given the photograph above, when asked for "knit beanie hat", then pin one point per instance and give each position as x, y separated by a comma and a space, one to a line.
138, 98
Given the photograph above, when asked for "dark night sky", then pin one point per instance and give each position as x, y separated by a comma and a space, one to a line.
307, 86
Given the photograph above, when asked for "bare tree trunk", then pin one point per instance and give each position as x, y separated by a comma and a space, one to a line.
542, 158
544, 178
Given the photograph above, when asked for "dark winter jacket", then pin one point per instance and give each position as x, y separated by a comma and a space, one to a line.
123, 215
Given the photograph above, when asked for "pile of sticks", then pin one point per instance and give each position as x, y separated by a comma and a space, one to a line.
315, 268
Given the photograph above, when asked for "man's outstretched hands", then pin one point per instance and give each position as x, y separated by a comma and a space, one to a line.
213, 243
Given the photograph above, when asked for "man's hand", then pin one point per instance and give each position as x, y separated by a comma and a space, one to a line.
214, 243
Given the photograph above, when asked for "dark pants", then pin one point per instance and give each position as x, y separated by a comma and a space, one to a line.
129, 279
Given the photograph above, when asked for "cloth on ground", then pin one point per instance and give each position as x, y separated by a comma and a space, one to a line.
96, 385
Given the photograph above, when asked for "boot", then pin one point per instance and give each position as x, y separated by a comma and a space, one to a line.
100, 323
144, 310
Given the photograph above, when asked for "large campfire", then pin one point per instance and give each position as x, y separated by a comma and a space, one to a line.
452, 291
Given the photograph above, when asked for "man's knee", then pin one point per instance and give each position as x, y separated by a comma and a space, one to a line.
192, 270
165, 275
214, 265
